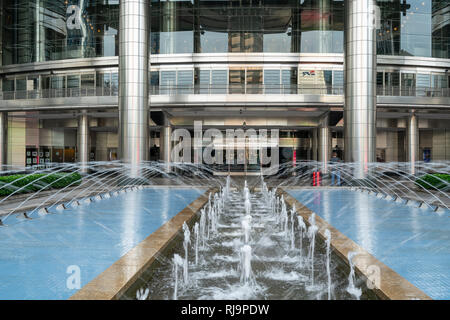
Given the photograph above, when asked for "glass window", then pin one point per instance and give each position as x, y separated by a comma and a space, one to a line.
58, 82
45, 83
219, 81
247, 26
58, 86
254, 80
88, 84
213, 42
289, 80
73, 81
114, 84
8, 85
202, 81
338, 78
73, 85
173, 26
32, 83
408, 84
380, 84
237, 81
35, 31
279, 41
81, 29
185, 81
392, 83
328, 79
423, 84
8, 88
414, 28
103, 84
21, 84
154, 82
32, 87
272, 81
439, 84
168, 82
438, 81
21, 88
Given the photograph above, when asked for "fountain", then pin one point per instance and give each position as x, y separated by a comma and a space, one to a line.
203, 227
352, 289
197, 240
177, 263
328, 243
246, 228
242, 237
187, 240
292, 233
312, 230
284, 218
246, 265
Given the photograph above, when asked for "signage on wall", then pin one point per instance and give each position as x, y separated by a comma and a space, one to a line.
309, 73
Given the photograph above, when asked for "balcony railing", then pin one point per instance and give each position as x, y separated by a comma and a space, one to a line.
220, 89
58, 93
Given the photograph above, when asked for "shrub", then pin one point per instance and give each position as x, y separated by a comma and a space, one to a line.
38, 182
434, 181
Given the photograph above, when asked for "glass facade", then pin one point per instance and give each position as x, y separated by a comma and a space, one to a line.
251, 79
220, 26
407, 27
415, 28
47, 30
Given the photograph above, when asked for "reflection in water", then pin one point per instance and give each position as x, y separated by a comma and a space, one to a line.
413, 242
165, 205
130, 220
364, 221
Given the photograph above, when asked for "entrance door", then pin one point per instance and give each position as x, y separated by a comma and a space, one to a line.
69, 154
57, 154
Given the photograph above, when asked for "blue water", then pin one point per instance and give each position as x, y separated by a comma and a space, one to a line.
414, 242
35, 254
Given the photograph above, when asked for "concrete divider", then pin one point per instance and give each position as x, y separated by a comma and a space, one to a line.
389, 285
118, 278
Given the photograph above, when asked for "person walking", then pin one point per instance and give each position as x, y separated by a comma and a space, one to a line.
335, 172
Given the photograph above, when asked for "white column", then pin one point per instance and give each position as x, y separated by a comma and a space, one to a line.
134, 32
83, 141
324, 144
360, 63
412, 143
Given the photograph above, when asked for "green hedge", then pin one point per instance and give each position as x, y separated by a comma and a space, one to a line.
434, 181
48, 182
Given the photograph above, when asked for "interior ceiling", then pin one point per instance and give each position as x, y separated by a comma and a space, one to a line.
247, 113
235, 112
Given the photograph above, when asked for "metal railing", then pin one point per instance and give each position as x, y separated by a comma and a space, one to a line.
413, 91
58, 93
221, 89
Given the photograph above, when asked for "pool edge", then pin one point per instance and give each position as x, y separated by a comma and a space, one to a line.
392, 285
116, 279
